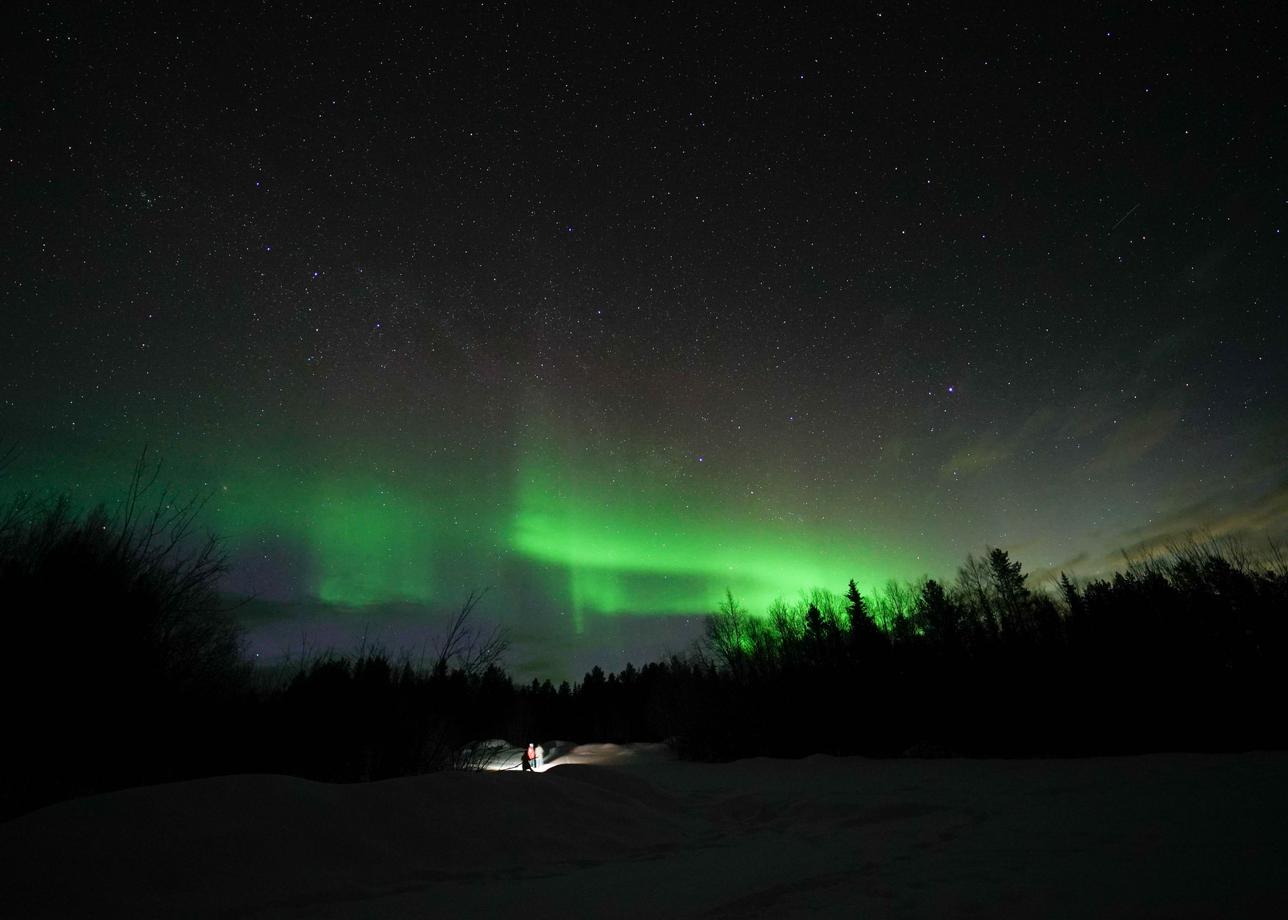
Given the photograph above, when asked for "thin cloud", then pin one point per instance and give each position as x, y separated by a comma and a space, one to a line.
976, 458
1251, 518
1264, 516
1136, 437
992, 450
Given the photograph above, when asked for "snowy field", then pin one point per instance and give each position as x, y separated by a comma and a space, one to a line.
609, 831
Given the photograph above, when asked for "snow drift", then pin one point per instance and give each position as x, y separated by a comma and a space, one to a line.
626, 831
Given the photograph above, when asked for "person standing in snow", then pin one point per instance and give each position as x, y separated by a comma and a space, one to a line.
530, 757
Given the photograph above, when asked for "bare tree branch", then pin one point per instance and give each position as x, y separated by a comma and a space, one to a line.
467, 649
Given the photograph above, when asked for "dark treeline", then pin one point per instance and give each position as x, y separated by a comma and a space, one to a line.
125, 667
1186, 651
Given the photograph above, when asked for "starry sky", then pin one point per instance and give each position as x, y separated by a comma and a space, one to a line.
611, 310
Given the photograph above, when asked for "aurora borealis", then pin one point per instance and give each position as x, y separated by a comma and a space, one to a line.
614, 311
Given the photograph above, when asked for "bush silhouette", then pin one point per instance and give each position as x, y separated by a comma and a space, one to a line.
122, 658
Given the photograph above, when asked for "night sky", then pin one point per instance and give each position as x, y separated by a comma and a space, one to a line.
610, 312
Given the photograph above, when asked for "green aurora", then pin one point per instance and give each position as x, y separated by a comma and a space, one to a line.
596, 537
632, 545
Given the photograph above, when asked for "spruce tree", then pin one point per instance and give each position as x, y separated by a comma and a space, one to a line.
1008, 582
938, 615
1069, 591
866, 638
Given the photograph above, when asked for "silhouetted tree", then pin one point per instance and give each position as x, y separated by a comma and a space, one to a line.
814, 625
467, 648
727, 634
940, 618
147, 653
975, 590
1069, 592
867, 641
1009, 588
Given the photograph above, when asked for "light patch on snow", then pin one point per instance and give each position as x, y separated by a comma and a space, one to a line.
499, 756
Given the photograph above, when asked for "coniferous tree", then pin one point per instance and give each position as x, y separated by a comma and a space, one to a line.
1008, 582
1069, 591
814, 623
866, 638
938, 616
856, 607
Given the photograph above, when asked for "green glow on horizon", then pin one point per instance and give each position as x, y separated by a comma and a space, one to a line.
633, 545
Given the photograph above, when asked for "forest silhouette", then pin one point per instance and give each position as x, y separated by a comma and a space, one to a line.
126, 667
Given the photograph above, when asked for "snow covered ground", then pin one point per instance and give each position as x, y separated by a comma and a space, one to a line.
625, 831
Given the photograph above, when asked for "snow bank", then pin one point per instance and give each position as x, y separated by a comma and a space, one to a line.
231, 844
625, 831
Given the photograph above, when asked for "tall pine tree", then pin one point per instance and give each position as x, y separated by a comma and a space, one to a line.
866, 638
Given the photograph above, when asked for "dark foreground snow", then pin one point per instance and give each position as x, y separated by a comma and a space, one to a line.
627, 832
